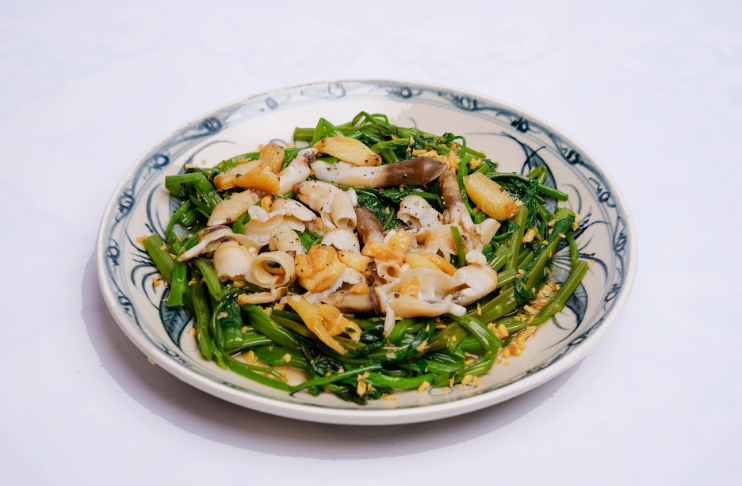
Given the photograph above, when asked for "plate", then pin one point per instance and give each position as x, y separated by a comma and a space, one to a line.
517, 140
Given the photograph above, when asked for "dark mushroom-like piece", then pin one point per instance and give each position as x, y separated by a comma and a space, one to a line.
456, 211
413, 172
368, 226
450, 191
347, 301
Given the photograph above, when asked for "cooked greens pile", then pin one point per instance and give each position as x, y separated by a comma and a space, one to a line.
371, 286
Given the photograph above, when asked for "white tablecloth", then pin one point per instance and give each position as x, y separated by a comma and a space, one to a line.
653, 90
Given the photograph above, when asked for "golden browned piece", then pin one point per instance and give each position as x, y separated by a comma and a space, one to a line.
318, 269
272, 154
490, 197
250, 175
348, 150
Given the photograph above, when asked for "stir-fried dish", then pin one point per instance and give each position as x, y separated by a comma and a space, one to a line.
375, 258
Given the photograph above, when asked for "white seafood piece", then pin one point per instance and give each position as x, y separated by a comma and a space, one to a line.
437, 239
382, 297
434, 284
297, 171
272, 269
317, 195
480, 280
286, 240
260, 215
334, 205
232, 260
435, 297
342, 239
262, 297
342, 211
210, 238
293, 208
348, 276
231, 208
298, 211
475, 257
296, 216
389, 271
405, 306
487, 230
478, 235
260, 231
417, 213
458, 214
389, 319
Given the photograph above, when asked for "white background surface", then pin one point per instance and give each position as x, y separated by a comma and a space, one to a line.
654, 91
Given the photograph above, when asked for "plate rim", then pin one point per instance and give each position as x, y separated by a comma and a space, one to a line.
340, 416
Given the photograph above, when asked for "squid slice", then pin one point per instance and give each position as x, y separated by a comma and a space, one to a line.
296, 216
261, 297
434, 284
405, 306
487, 230
480, 280
314, 321
232, 261
261, 231
334, 205
292, 216
286, 240
475, 257
343, 239
438, 240
269, 270
348, 276
210, 238
418, 213
297, 171
433, 299
389, 271
272, 269
342, 212
295, 209
231, 208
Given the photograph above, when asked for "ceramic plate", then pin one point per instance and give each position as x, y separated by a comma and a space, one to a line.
517, 140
